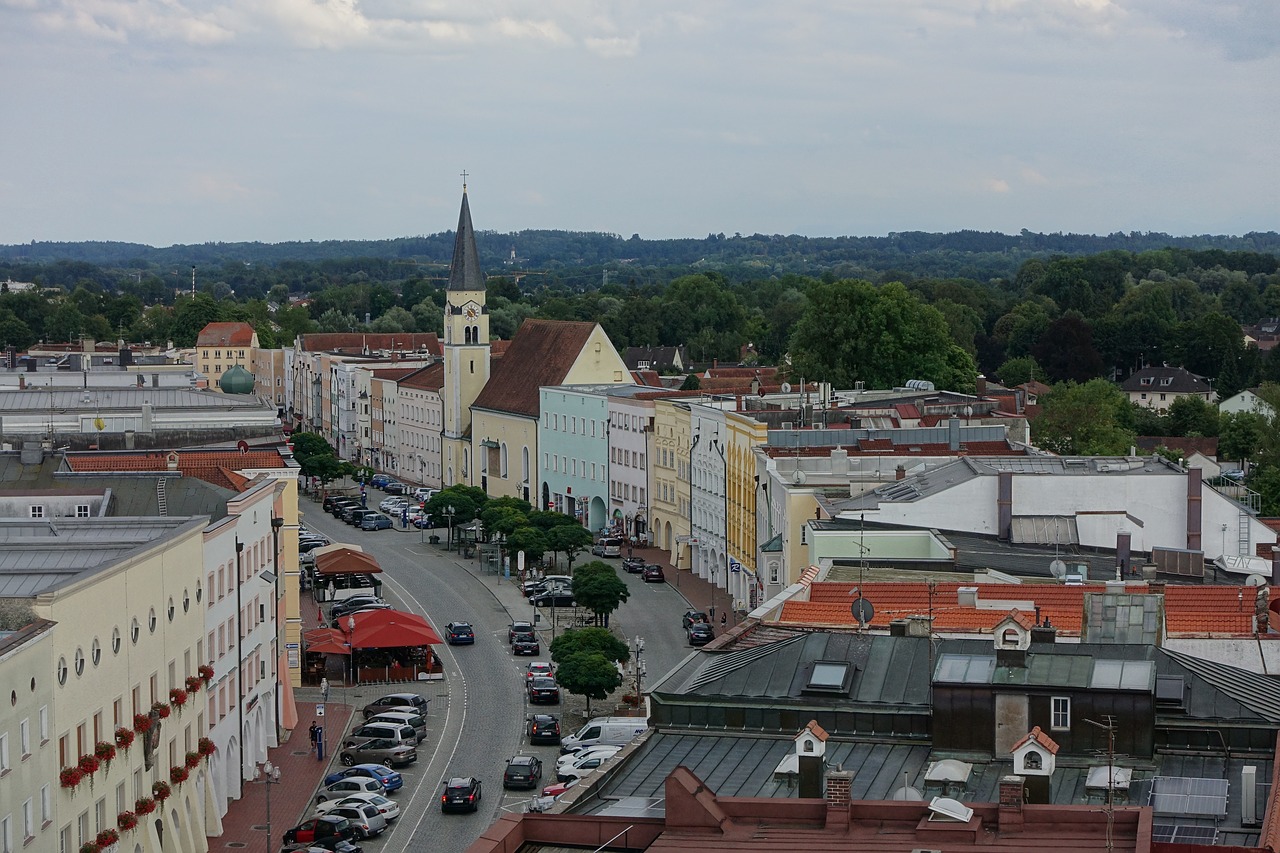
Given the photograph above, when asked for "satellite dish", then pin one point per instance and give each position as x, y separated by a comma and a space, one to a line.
786, 388
1256, 580
862, 610
1058, 569
798, 477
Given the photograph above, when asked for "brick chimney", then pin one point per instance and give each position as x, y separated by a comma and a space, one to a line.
839, 782
1011, 799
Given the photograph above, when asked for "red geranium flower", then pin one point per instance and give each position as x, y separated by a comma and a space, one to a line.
70, 777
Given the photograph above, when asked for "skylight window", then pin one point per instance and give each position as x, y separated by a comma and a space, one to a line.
945, 808
830, 675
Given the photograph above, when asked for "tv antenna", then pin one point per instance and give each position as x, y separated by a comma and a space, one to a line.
1109, 726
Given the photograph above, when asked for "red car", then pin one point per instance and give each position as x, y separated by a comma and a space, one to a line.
320, 828
653, 574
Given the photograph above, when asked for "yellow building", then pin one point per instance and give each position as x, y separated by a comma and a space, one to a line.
743, 434
668, 454
220, 346
28, 755
130, 596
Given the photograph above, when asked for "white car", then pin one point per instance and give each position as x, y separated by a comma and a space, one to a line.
393, 505
581, 766
390, 809
565, 761
344, 788
422, 493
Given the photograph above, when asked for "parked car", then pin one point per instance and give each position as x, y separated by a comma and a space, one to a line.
337, 507
394, 732
653, 574
523, 771
396, 702
537, 668
556, 598
422, 493
692, 616
608, 547
341, 788
394, 488
516, 629
700, 633
526, 645
329, 501
412, 719
390, 779
392, 504
634, 565
333, 844
543, 689
379, 480
320, 827
603, 751
378, 750
461, 793
366, 819
309, 544
544, 728
389, 809
376, 521
459, 634
354, 603
582, 767
558, 788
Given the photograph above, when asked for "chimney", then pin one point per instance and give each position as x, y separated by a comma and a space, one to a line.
981, 387
1004, 506
839, 786
967, 596
1275, 566
811, 749
1123, 538
22, 383
1194, 508
89, 345
1045, 633
953, 433
900, 473
898, 628
1011, 800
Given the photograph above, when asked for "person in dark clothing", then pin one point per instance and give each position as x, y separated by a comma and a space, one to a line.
724, 619
315, 730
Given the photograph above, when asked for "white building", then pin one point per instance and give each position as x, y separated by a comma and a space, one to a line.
28, 755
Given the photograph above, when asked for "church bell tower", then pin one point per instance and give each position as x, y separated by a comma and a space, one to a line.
466, 349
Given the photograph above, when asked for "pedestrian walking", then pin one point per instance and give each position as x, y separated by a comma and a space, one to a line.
324, 690
315, 731
724, 619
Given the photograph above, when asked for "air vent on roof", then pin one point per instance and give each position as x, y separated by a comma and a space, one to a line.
947, 809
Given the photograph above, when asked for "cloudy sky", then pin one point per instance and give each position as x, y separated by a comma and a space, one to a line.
185, 121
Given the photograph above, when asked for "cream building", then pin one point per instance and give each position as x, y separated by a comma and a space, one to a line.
669, 451
28, 755
133, 590
219, 346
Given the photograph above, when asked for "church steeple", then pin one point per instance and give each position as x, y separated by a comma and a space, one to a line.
464, 270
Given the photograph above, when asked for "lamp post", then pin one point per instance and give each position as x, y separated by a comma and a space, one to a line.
637, 647
449, 513
276, 525
270, 775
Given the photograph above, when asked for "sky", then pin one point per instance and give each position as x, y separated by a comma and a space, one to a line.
192, 121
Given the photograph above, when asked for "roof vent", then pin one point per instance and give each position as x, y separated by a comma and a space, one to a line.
947, 809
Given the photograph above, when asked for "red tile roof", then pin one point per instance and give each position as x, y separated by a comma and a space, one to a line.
225, 335
541, 354
1189, 609
814, 729
907, 411
394, 373
430, 378
219, 467
1040, 738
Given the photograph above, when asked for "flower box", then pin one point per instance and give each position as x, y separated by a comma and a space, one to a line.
89, 764
161, 791
142, 723
206, 747
194, 683
205, 672
90, 847
193, 760
144, 805
177, 697
126, 820
124, 737
70, 777
178, 774
107, 837
161, 710
105, 751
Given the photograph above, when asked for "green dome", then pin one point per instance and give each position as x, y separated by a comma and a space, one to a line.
236, 380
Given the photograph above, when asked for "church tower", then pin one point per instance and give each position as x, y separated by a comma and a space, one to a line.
466, 350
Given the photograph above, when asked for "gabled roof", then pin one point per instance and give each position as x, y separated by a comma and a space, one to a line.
430, 378
814, 729
1039, 737
464, 269
541, 353
1168, 380
225, 335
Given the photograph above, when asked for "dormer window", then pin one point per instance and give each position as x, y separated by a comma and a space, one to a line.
1010, 637
1146, 380
1168, 380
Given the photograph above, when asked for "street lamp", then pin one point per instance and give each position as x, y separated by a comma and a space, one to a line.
637, 647
449, 513
270, 776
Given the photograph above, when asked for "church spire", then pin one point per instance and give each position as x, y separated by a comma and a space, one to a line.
464, 270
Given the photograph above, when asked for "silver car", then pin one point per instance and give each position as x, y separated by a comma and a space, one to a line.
366, 819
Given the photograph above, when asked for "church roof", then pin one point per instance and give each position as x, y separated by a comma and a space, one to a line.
464, 270
541, 354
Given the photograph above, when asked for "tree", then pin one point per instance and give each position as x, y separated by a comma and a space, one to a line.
1192, 416
530, 540
1241, 435
600, 641
853, 331
1089, 419
597, 587
1066, 350
334, 320
1018, 371
467, 502
590, 675
396, 319
569, 539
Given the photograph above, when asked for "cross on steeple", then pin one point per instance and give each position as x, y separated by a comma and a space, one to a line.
464, 180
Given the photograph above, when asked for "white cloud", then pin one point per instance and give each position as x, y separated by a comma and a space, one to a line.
613, 48
996, 185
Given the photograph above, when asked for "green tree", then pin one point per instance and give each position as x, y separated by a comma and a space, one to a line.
191, 315
1192, 416
334, 320
598, 641
853, 331
530, 540
590, 675
1066, 350
1089, 419
467, 502
569, 539
597, 587
1241, 435
691, 383
1018, 371
396, 319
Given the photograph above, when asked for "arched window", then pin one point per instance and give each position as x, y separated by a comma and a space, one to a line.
466, 334
1033, 761
1009, 637
502, 460
524, 465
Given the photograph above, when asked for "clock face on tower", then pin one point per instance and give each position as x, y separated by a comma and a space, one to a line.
471, 310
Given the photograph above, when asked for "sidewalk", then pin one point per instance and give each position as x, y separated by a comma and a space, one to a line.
245, 823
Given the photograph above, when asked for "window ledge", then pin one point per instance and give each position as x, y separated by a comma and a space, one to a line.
25, 756
5, 772
28, 840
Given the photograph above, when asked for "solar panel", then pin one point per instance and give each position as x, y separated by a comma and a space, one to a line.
1163, 832
1180, 795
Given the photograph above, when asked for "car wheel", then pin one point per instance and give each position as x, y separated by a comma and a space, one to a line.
387, 764
319, 800
347, 760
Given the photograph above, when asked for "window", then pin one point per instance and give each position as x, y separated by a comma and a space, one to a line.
44, 724
62, 670
6, 834
24, 736
82, 510
115, 640
28, 821
1061, 717
4, 754
95, 651
46, 805
37, 511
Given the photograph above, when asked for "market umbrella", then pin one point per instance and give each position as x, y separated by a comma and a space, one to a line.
345, 561
327, 641
386, 629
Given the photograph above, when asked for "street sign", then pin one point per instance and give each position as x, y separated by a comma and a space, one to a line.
319, 709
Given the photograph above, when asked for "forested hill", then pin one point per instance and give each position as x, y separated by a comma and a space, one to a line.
973, 254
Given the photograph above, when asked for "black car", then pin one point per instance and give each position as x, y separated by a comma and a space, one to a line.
330, 500
461, 794
692, 616
394, 488
340, 505
634, 565
459, 634
526, 645
559, 598
700, 633
519, 629
354, 603
523, 771
411, 702
653, 574
333, 844
358, 515
543, 689
544, 728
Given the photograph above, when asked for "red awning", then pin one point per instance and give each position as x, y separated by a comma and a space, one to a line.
326, 641
384, 629
345, 561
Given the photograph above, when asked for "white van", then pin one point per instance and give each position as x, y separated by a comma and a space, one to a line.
614, 731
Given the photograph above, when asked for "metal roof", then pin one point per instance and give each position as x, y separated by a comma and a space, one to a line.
95, 400
1258, 694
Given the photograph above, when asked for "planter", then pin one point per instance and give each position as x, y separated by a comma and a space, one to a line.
178, 774
89, 764
142, 723
124, 738
90, 847
105, 752
177, 697
107, 837
206, 747
70, 777
126, 821
144, 805
205, 672
161, 710
193, 760
161, 791
194, 683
